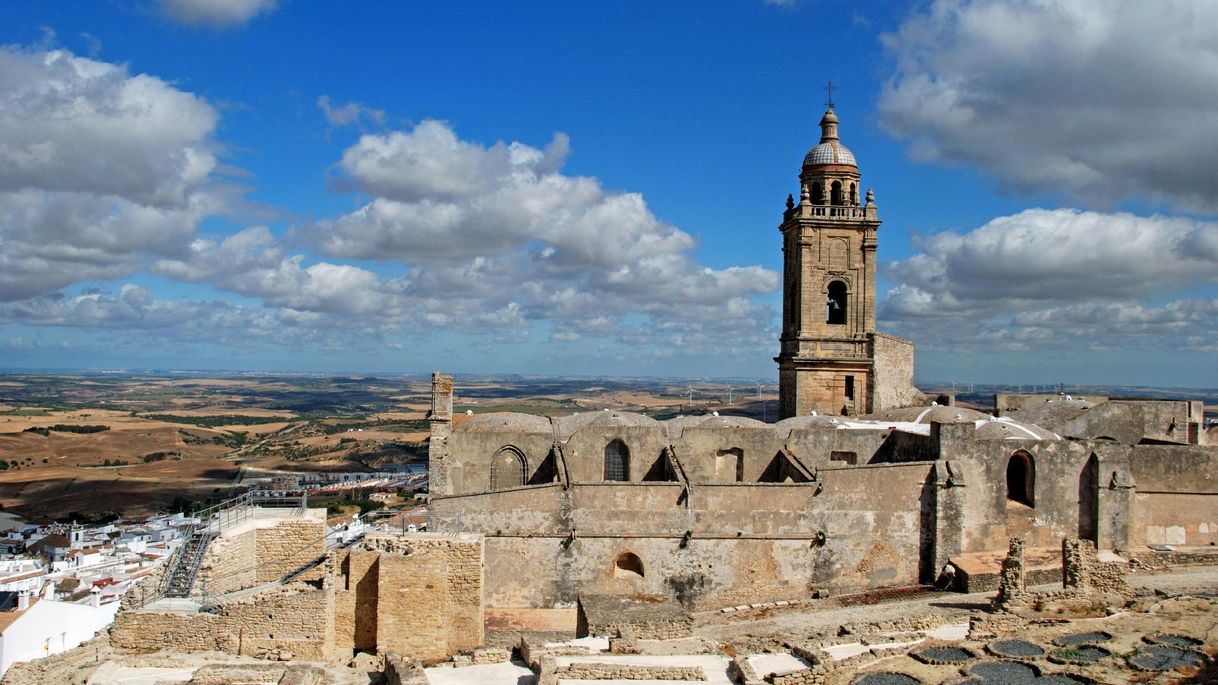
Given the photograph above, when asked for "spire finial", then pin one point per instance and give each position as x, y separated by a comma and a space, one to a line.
830, 88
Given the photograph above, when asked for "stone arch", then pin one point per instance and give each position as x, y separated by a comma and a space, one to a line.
509, 468
818, 193
617, 461
1021, 479
835, 193
854, 194
835, 303
629, 566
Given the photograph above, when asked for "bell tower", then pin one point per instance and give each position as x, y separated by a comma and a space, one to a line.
827, 358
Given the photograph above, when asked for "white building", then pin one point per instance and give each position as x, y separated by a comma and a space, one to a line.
45, 627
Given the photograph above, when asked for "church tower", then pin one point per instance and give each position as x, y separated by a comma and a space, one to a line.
827, 362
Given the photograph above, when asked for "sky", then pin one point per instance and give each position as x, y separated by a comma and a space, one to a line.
594, 188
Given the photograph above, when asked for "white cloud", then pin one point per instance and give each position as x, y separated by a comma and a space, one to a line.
1096, 99
216, 13
350, 113
496, 236
98, 168
1041, 258
1060, 279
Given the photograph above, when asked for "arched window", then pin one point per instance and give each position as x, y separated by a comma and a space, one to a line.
835, 305
836, 193
818, 193
1021, 479
509, 469
617, 461
628, 565
854, 194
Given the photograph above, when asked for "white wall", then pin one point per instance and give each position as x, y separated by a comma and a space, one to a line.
50, 627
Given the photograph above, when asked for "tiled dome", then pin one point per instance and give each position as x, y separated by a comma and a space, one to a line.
831, 152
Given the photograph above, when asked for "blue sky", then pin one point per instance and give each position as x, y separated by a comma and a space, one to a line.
594, 188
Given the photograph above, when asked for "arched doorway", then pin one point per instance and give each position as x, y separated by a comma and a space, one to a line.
617, 461
1089, 501
1020, 494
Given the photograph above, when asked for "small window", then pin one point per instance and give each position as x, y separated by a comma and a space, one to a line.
835, 192
818, 195
844, 457
849, 387
628, 565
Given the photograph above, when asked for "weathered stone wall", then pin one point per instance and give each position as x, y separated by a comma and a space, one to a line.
1176, 495
287, 546
429, 601
750, 542
418, 595
295, 620
260, 550
73, 667
1084, 572
230, 563
632, 618
893, 374
613, 671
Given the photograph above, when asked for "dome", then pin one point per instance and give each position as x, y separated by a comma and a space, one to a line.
676, 426
502, 422
566, 426
831, 152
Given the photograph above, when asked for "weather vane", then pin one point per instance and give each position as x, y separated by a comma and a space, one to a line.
830, 89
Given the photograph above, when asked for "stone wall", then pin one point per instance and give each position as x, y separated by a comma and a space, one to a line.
73, 667
1175, 495
613, 671
1085, 573
261, 550
641, 619
709, 544
893, 374
418, 595
295, 621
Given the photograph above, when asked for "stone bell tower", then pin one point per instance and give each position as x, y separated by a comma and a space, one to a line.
828, 359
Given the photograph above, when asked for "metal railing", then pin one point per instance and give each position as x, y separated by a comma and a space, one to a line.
182, 567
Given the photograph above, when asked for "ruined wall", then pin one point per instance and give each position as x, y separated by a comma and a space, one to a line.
710, 543
990, 517
296, 619
429, 602
893, 373
419, 595
260, 550
229, 564
1176, 496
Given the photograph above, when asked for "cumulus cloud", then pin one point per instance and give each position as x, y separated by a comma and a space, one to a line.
497, 236
1099, 100
1040, 258
216, 13
97, 168
1044, 279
